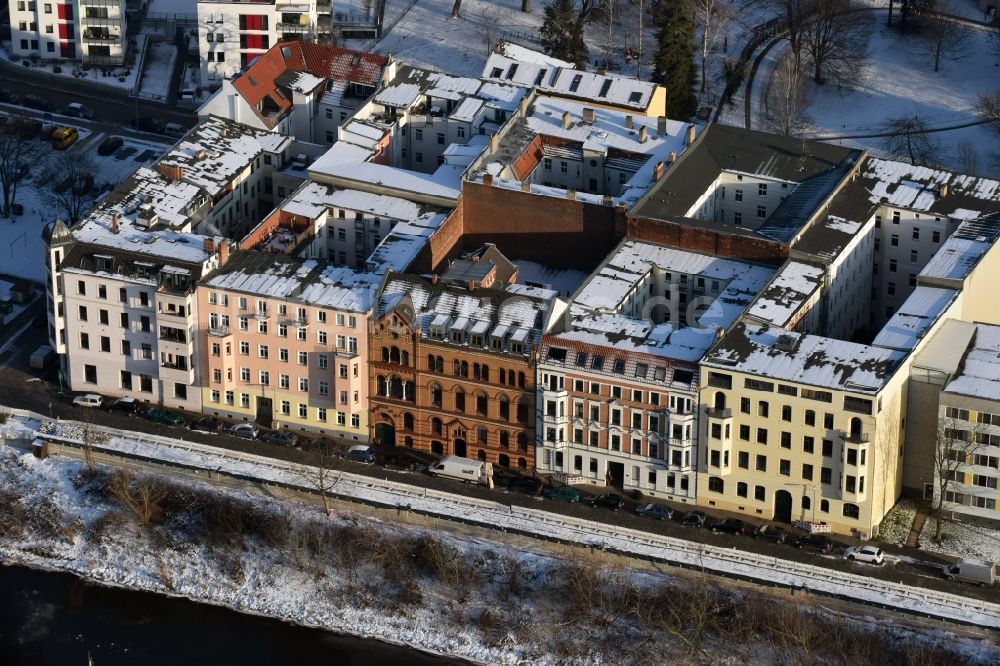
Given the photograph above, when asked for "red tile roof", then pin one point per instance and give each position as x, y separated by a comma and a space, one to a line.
257, 82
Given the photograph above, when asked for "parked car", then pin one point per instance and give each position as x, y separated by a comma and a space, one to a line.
174, 130
771, 532
244, 430
732, 526
77, 110
693, 518
126, 405
279, 437
968, 571
36, 102
206, 424
64, 137
564, 493
147, 124
110, 145
400, 461
870, 554
360, 453
816, 542
164, 416
658, 511
88, 400
7, 97
527, 484
608, 501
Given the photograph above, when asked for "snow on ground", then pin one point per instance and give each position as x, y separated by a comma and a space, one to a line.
896, 525
119, 77
159, 8
158, 70
963, 540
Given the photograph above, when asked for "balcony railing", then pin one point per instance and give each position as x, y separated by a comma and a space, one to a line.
219, 331
856, 438
174, 366
180, 338
715, 413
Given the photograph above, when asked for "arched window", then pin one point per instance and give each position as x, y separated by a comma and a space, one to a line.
408, 421
475, 371
504, 408
396, 387
504, 439
511, 377
481, 455
486, 373
465, 369
431, 363
856, 427
806, 503
435, 395
520, 379
459, 400
381, 387
408, 442
503, 376
522, 463
437, 448
394, 355
715, 484
503, 460
457, 366
851, 511
720, 400
385, 354
522, 441
482, 435
436, 426
404, 357
410, 391
481, 403
824, 506
440, 364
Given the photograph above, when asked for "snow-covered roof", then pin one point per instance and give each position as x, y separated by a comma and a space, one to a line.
310, 282
562, 280
770, 352
958, 255
933, 190
348, 165
979, 375
792, 287
914, 318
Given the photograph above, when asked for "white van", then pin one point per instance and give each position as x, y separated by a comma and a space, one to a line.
463, 469
967, 571
77, 110
174, 130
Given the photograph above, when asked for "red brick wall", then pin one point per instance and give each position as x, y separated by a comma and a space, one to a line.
709, 242
557, 232
444, 244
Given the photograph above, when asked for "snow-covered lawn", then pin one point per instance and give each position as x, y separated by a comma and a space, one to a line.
119, 77
896, 525
158, 70
963, 540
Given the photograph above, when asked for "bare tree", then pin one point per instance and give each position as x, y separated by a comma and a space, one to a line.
909, 138
142, 495
323, 474
65, 184
940, 38
526, 6
713, 18
793, 15
988, 108
15, 151
456, 9
968, 157
489, 27
609, 7
787, 99
836, 40
954, 446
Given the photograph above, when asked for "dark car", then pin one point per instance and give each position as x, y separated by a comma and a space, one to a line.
280, 438
399, 461
147, 124
244, 431
732, 526
165, 416
658, 511
360, 453
206, 424
125, 405
527, 484
564, 493
7, 97
608, 501
110, 145
36, 102
817, 542
771, 533
693, 518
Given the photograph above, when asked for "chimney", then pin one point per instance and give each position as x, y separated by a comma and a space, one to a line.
661, 125
607, 200
209, 245
588, 114
943, 190
114, 223
602, 71
494, 143
223, 251
643, 134
488, 180
523, 106
565, 120
571, 195
658, 171
689, 138
672, 157
434, 278
628, 122
525, 185
471, 285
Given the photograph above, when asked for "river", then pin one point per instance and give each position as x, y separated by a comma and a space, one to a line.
55, 618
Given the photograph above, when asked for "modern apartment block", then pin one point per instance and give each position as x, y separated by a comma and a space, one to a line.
452, 363
618, 390
285, 343
92, 31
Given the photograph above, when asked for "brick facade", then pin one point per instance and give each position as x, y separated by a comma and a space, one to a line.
718, 243
444, 244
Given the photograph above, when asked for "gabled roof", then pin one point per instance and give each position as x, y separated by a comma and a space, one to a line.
266, 80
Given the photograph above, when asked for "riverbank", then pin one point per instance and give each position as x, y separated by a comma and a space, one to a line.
472, 598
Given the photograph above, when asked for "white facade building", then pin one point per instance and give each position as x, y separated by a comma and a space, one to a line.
92, 31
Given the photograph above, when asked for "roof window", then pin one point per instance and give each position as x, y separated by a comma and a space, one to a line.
605, 87
635, 97
576, 82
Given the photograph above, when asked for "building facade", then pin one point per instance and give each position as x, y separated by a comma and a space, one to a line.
92, 31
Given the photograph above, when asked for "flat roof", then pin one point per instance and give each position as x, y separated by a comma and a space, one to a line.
979, 374
789, 290
918, 313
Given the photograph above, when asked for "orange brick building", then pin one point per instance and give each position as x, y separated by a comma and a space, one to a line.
452, 367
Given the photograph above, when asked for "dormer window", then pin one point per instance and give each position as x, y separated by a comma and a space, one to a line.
635, 97
456, 336
575, 83
619, 366
496, 343
597, 363
581, 359
477, 340
516, 348
496, 73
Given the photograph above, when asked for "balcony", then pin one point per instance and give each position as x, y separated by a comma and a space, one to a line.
553, 419
171, 311
855, 438
219, 331
97, 37
259, 315
301, 27
715, 413
173, 335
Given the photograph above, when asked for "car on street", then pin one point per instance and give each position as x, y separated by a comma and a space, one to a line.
77, 110
147, 124
870, 554
360, 453
400, 461
770, 532
279, 437
126, 405
39, 103
658, 511
110, 145
732, 526
527, 484
164, 416
244, 430
816, 542
608, 501
205, 424
693, 518
174, 130
88, 400
564, 493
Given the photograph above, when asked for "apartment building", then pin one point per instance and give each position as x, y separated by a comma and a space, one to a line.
299, 89
91, 31
618, 390
452, 365
285, 343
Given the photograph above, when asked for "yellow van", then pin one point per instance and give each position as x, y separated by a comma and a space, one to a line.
64, 137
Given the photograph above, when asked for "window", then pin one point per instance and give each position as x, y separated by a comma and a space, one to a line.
741, 489
808, 444
762, 190
785, 467
761, 211
894, 240
807, 472
935, 236
825, 475
715, 484
84, 341
303, 358
786, 413
759, 493
303, 384
739, 194
810, 417
851, 511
